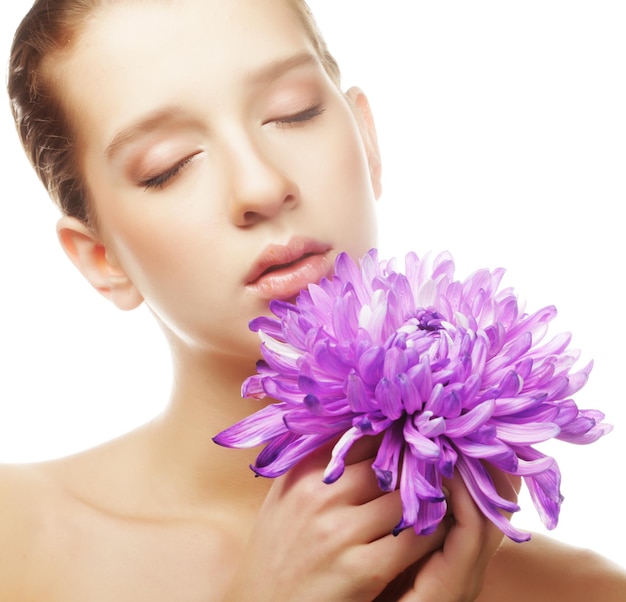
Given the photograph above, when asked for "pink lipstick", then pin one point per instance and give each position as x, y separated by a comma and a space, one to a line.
282, 271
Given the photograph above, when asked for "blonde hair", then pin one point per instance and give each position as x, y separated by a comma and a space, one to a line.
45, 127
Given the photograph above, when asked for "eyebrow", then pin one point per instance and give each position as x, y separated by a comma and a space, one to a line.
275, 69
153, 120
164, 116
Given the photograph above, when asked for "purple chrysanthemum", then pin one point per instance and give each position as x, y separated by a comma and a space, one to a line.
451, 374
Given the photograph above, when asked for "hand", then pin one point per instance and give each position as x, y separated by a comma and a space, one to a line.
313, 541
455, 573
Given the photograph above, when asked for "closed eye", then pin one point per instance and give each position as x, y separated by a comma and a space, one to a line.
159, 181
299, 118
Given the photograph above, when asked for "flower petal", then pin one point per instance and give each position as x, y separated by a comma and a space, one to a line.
471, 421
422, 447
284, 452
256, 429
387, 462
336, 466
525, 432
479, 483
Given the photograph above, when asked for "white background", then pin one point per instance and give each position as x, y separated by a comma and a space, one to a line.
503, 133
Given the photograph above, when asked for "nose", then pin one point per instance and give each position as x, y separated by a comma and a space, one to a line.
260, 187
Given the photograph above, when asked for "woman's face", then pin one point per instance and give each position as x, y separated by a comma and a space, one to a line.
225, 168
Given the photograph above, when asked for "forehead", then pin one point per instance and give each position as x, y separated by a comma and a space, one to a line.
137, 53
121, 18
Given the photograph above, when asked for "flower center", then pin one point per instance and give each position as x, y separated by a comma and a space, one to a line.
429, 319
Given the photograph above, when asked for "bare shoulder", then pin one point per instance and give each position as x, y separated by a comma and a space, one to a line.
100, 526
544, 570
36, 501
23, 490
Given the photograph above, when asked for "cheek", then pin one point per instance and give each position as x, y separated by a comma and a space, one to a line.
184, 268
350, 198
150, 249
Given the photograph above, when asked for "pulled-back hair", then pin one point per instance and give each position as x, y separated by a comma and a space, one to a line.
45, 127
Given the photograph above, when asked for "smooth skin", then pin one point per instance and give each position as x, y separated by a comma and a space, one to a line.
209, 130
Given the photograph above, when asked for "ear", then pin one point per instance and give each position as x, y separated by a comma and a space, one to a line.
365, 120
88, 253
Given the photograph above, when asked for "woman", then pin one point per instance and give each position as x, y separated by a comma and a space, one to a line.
188, 146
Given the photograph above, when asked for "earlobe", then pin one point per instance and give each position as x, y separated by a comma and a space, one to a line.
89, 254
365, 120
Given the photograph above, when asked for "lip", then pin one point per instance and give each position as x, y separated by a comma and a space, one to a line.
282, 271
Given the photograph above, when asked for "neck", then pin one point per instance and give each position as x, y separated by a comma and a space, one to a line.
206, 399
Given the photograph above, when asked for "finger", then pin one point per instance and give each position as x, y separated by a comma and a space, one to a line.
358, 485
465, 540
361, 483
458, 569
390, 555
378, 517
364, 449
507, 485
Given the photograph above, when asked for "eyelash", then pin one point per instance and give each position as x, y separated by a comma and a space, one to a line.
300, 118
159, 181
